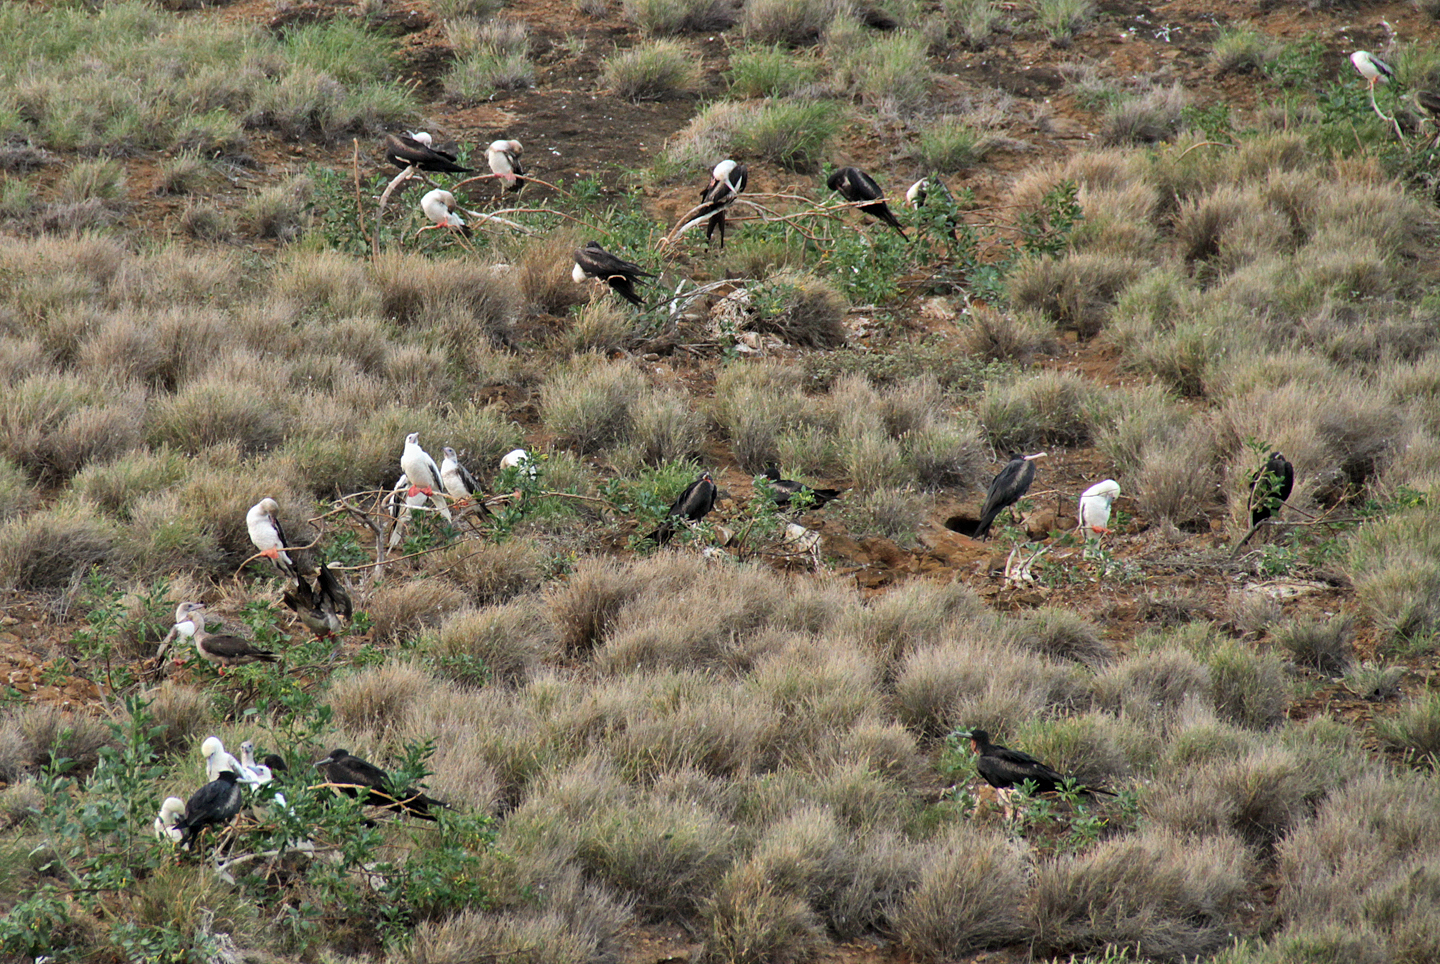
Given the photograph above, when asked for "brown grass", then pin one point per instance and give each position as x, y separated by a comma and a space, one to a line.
969, 896
400, 611
505, 644
35, 737
753, 920
584, 607
54, 548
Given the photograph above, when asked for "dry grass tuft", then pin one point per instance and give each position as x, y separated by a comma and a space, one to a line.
1062, 635
181, 713
1168, 896
799, 307
1010, 336
1322, 644
652, 70
1153, 687
35, 737
1414, 730
583, 608
1051, 408
450, 301
969, 896
505, 644
377, 700
1076, 291
752, 919
588, 405
496, 573
1249, 688
1174, 481
53, 548
402, 611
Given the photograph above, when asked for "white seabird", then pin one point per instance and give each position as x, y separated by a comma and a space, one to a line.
1372, 68
423, 473
440, 207
251, 772
265, 532
170, 813
1095, 502
727, 182
504, 158
218, 760
459, 484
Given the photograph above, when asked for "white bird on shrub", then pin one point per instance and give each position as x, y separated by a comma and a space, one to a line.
504, 158
439, 206
423, 473
1372, 68
265, 532
1095, 505
518, 459
251, 772
218, 760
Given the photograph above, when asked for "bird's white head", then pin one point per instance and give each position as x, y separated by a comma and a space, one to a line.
413, 438
450, 454
723, 169
172, 808
211, 746
916, 195
183, 611
270, 506
421, 136
577, 273
1109, 490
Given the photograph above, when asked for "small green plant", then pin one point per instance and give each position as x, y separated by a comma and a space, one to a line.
652, 70
1061, 20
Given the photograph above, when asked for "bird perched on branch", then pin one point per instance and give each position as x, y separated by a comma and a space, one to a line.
784, 490
691, 505
423, 473
440, 207
504, 160
593, 261
854, 184
1372, 68
459, 484
415, 150
263, 522
727, 181
1004, 769
1270, 486
214, 804
223, 650
354, 774
1006, 489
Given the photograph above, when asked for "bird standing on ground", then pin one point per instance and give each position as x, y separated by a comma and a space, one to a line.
1372, 68
593, 261
324, 607
1006, 489
216, 803
225, 650
691, 505
266, 534
1270, 486
1004, 768
423, 473
784, 490
440, 207
353, 773
854, 184
1095, 503
504, 159
727, 181
415, 150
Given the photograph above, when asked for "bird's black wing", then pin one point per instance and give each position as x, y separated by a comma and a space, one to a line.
696, 501
332, 594
1006, 489
406, 152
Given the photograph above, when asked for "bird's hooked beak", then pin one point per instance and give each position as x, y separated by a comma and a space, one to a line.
1037, 455
321, 763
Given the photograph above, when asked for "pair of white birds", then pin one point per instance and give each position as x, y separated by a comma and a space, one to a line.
440, 206
217, 761
421, 480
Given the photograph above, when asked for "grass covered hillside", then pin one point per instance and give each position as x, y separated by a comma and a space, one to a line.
1153, 247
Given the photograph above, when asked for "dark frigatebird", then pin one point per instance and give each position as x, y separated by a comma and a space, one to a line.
854, 184
415, 150
1004, 768
692, 505
727, 181
214, 804
784, 490
1270, 486
351, 773
593, 261
1006, 489
323, 607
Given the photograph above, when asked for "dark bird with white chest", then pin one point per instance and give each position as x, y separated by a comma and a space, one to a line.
352, 774
593, 261
855, 185
415, 150
727, 181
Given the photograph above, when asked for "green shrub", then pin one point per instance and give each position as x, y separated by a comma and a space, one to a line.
652, 70
770, 71
794, 134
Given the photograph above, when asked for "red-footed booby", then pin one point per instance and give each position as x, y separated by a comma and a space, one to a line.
225, 650
263, 521
440, 207
423, 473
504, 160
1095, 503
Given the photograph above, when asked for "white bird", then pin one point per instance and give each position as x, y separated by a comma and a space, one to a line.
518, 459
265, 532
423, 473
459, 483
218, 760
504, 158
439, 206
254, 773
170, 813
1095, 505
1372, 68
727, 182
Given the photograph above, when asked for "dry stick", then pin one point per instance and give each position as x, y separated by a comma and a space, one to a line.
1202, 144
369, 523
359, 218
396, 181
1389, 120
259, 555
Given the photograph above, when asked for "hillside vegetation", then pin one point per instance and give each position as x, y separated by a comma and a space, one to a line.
1157, 258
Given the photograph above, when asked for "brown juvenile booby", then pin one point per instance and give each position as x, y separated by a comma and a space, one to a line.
225, 650
854, 184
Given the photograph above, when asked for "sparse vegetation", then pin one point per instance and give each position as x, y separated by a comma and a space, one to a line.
652, 70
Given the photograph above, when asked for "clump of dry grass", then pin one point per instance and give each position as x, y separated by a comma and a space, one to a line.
584, 607
1414, 729
449, 300
969, 896
181, 712
1051, 408
50, 549
755, 405
1147, 117
664, 17
35, 737
1397, 577
799, 307
790, 22
505, 644
16, 494
1173, 481
496, 573
1062, 635
1249, 688
1010, 336
588, 405
403, 610
1075, 290
652, 70
376, 700
753, 920
1321, 644
664, 428
1169, 896
1154, 686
